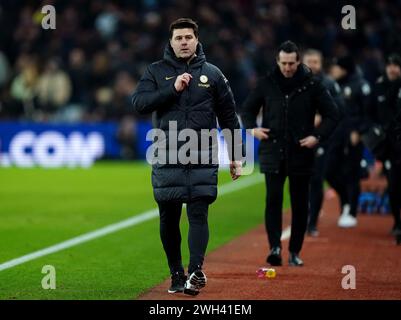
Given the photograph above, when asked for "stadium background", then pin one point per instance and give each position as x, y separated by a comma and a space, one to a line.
68, 92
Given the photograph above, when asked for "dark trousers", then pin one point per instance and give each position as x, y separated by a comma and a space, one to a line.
299, 193
316, 187
394, 190
344, 173
198, 235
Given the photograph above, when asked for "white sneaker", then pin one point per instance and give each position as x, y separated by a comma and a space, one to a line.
346, 209
346, 220
195, 282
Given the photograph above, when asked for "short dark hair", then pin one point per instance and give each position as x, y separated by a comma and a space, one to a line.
183, 23
288, 47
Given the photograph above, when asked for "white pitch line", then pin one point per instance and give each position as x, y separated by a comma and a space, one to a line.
242, 183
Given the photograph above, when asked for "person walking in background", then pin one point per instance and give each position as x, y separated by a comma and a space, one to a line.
191, 92
313, 59
344, 164
386, 115
289, 96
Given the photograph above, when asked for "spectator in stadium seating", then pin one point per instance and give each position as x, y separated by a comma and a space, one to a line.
122, 112
240, 36
4, 70
78, 71
53, 90
289, 97
9, 108
24, 85
101, 72
114, 104
185, 89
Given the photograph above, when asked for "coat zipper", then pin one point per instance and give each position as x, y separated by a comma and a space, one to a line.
286, 131
287, 98
188, 168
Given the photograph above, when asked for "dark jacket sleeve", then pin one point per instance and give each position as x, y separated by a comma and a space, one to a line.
335, 92
251, 107
398, 105
328, 110
373, 110
225, 105
365, 98
148, 97
228, 119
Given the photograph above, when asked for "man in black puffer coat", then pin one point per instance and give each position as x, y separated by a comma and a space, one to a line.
289, 96
185, 92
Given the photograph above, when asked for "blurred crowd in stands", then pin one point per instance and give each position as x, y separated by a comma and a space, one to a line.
88, 67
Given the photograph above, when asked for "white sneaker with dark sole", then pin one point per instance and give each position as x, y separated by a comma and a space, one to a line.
196, 281
347, 221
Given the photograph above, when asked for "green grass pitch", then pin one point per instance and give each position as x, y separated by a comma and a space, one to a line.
40, 208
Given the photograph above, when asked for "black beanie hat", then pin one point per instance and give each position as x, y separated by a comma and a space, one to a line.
394, 59
347, 63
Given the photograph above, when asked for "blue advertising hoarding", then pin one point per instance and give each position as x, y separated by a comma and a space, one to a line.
53, 145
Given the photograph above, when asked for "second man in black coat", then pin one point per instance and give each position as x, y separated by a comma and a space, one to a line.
289, 97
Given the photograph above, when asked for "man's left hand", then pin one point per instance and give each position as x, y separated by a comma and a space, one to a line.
235, 169
309, 142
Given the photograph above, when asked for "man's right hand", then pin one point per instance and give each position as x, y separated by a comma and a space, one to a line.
260, 133
182, 81
235, 169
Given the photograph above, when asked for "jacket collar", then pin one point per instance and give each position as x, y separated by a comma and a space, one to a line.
300, 81
197, 61
302, 72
